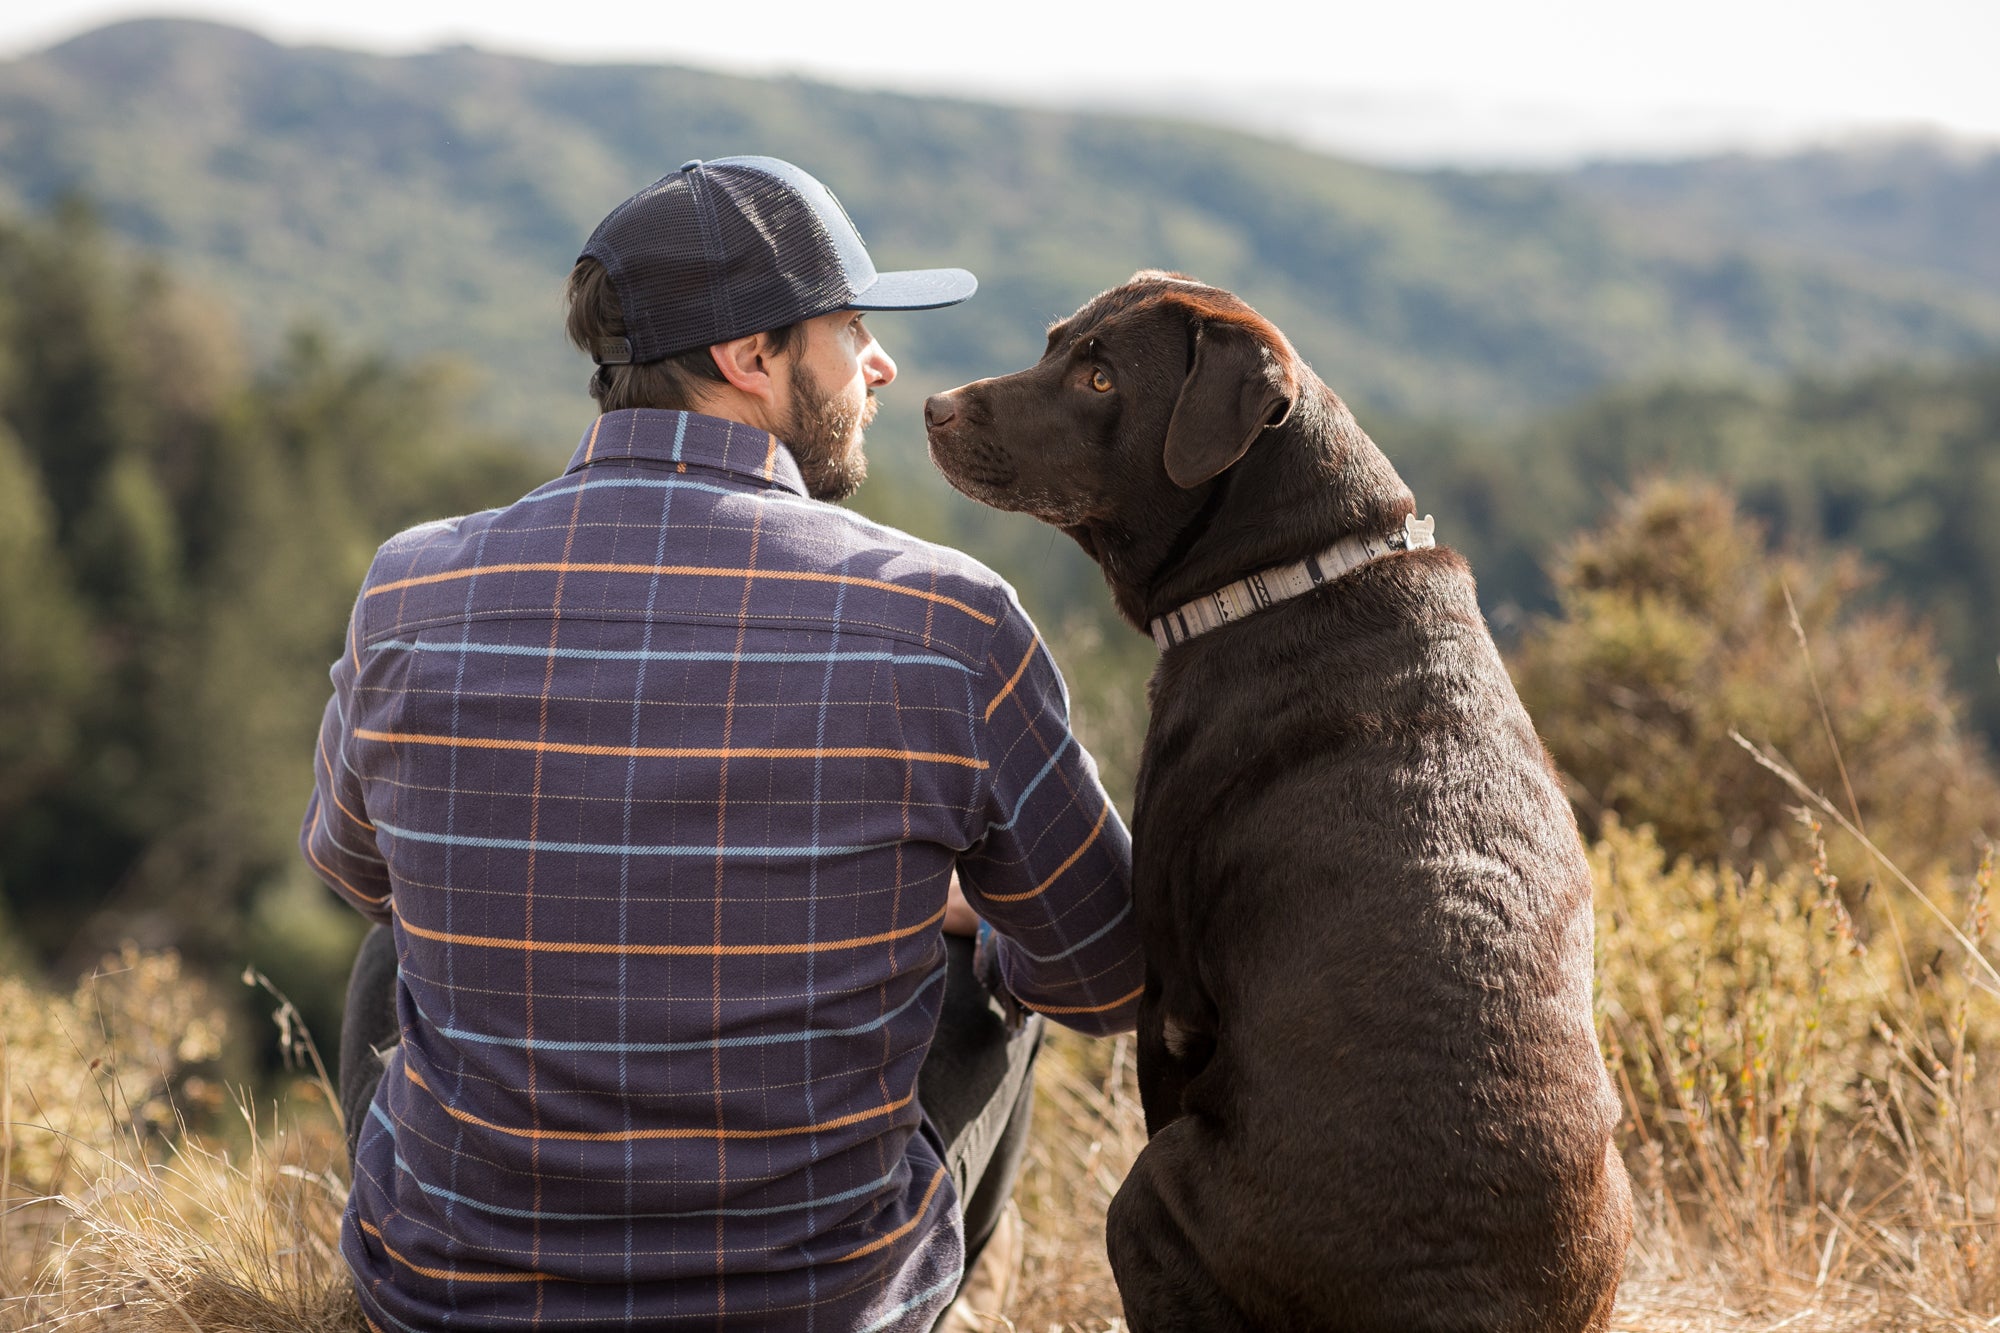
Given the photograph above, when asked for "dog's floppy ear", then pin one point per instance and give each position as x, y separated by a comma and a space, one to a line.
1238, 385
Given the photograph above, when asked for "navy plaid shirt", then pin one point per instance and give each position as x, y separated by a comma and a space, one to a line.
661, 773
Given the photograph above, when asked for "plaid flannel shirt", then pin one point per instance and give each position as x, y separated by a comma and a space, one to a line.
660, 774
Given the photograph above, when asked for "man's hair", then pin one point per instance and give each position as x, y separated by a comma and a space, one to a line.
676, 383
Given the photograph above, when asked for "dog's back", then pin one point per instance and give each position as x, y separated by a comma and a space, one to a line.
1404, 1121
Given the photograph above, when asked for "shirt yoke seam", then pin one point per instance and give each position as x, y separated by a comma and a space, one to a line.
846, 625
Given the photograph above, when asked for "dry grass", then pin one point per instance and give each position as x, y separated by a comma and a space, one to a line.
1088, 1128
112, 1214
1811, 1135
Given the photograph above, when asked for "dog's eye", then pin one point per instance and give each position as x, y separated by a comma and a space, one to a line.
1100, 381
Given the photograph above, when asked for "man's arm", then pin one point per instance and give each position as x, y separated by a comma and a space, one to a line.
337, 838
1052, 873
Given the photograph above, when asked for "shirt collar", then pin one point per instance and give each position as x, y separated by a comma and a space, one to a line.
688, 439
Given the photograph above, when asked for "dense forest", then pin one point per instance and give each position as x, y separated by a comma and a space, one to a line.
181, 535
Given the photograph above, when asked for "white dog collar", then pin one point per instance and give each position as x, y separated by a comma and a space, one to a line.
1268, 586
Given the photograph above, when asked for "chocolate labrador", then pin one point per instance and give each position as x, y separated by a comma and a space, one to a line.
1370, 1074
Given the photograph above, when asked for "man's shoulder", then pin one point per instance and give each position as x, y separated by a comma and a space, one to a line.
420, 535
422, 545
905, 557
925, 588
410, 563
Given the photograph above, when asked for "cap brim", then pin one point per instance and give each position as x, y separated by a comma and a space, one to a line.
915, 289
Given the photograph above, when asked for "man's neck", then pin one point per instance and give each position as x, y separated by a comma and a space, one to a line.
728, 403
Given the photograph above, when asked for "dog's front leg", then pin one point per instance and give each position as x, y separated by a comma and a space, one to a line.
1170, 1055
1159, 1088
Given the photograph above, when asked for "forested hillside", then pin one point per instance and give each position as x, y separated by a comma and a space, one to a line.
433, 203
1927, 205
181, 535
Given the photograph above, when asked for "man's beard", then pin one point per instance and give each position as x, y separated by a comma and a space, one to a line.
824, 435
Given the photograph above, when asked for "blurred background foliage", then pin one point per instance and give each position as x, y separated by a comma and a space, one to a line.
1741, 381
1677, 625
183, 537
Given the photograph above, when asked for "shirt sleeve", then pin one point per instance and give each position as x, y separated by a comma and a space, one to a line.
1052, 874
336, 836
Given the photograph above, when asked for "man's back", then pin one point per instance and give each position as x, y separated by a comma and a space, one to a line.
666, 769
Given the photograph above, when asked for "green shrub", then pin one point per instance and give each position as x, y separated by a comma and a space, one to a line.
1677, 626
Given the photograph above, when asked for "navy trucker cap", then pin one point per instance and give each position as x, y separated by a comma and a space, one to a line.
737, 245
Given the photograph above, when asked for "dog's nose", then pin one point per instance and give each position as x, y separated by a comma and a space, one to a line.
939, 409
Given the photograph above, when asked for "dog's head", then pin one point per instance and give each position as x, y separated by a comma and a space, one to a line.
1141, 397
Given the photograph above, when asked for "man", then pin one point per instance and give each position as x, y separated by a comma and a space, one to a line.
663, 780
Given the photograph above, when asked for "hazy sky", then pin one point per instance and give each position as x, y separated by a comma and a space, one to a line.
1468, 79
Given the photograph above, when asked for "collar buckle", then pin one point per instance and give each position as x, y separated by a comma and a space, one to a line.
1418, 533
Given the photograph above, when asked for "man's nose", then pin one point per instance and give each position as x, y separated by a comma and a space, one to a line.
939, 409
881, 369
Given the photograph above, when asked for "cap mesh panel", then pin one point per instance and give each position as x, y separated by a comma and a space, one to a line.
697, 262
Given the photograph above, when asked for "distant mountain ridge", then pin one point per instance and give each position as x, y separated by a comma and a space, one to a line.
1925, 204
433, 203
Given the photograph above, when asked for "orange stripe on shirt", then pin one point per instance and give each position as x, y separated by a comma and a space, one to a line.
670, 751
333, 787
636, 1135
903, 1230
449, 1274
1041, 888
693, 571
373, 900
670, 950
1014, 679
1087, 1008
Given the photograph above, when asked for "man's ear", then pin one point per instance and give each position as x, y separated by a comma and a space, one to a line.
746, 364
1239, 384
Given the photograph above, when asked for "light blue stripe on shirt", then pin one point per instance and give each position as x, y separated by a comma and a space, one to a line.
1033, 783
927, 1294
659, 655
1086, 941
620, 849
664, 1047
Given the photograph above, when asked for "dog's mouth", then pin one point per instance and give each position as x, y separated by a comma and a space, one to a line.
968, 449
975, 470
995, 483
